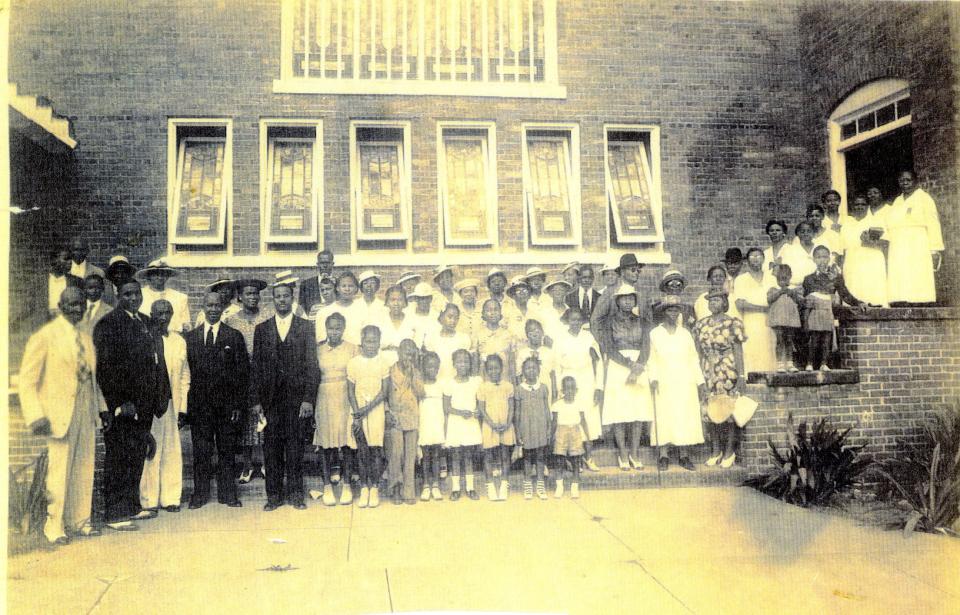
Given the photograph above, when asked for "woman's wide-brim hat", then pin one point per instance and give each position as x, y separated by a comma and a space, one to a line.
467, 283
533, 272
669, 276
119, 269
219, 283
158, 266
368, 275
574, 266
495, 271
255, 283
555, 283
421, 290
406, 276
516, 283
440, 269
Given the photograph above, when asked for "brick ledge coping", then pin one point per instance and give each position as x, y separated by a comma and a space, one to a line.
899, 313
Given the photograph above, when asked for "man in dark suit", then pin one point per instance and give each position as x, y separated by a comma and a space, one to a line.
136, 388
283, 389
310, 289
584, 296
219, 374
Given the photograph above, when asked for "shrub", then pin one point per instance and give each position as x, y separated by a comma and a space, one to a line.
927, 474
816, 466
28, 499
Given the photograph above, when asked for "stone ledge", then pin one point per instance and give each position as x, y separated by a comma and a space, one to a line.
804, 379
846, 313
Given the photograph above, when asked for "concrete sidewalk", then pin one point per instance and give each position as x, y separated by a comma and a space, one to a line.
705, 550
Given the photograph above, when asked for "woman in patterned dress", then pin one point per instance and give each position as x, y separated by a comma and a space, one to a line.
720, 339
245, 321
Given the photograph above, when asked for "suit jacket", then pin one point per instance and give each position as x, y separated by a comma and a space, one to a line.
573, 300
309, 294
47, 381
265, 383
177, 299
128, 367
178, 370
219, 376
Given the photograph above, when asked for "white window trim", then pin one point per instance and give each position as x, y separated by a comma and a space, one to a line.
573, 178
656, 200
266, 238
869, 97
490, 177
406, 211
173, 169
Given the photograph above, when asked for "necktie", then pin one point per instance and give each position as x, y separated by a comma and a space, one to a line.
83, 368
586, 302
209, 336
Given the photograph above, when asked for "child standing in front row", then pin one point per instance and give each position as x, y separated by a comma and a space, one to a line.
367, 388
568, 419
431, 426
403, 420
532, 419
495, 404
462, 426
784, 317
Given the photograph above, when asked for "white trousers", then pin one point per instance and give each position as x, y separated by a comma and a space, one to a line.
161, 483
70, 464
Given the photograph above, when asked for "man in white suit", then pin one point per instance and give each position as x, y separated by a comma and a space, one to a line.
60, 400
161, 483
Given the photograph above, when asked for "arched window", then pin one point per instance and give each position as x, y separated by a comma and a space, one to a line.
870, 138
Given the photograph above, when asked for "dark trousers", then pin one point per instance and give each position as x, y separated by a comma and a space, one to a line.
214, 435
123, 466
283, 455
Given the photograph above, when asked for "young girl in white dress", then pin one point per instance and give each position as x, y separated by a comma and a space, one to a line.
445, 340
432, 435
463, 427
367, 388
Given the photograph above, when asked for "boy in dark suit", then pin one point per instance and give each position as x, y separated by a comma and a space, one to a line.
219, 373
583, 296
283, 389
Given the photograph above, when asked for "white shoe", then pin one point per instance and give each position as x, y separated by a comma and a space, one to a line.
591, 465
541, 490
425, 494
623, 464
328, 498
713, 460
504, 490
575, 490
364, 497
435, 493
824, 368
546, 470
559, 491
346, 495
374, 497
491, 491
728, 461
808, 368
636, 464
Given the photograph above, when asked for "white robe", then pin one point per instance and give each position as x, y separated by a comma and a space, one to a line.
864, 267
913, 230
675, 366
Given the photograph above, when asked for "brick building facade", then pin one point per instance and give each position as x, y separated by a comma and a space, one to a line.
731, 101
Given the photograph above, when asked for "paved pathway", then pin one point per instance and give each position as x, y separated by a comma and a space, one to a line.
706, 550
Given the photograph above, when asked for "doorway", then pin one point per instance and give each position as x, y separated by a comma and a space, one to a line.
877, 162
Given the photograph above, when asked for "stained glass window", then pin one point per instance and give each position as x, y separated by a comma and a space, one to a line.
548, 191
469, 216
291, 199
200, 198
629, 190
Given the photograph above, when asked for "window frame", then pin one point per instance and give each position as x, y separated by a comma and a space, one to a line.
487, 132
175, 160
268, 241
655, 184
572, 162
405, 234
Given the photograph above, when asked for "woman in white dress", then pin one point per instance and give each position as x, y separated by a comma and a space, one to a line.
916, 244
864, 266
750, 293
578, 355
678, 386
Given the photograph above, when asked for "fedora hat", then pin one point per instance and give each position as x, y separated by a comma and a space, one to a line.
285, 278
628, 260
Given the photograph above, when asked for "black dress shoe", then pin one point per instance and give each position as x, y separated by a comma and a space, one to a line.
298, 504
271, 505
454, 496
234, 503
473, 495
686, 464
663, 464
197, 503
175, 508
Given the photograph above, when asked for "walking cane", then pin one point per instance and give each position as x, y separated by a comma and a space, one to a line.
656, 433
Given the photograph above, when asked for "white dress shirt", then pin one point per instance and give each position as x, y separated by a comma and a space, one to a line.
283, 325
206, 330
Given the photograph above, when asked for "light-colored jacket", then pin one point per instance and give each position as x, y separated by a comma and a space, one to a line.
178, 370
48, 376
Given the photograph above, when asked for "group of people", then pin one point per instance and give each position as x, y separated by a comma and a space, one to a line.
459, 376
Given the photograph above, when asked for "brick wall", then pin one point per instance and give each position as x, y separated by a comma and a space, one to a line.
720, 79
847, 44
909, 364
